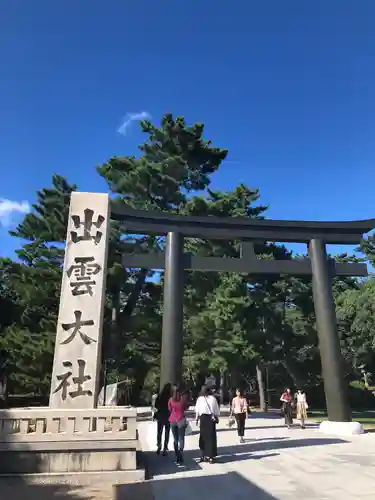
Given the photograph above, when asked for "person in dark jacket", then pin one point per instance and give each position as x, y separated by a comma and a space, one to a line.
162, 418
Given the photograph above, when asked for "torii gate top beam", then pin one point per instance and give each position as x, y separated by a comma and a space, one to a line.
241, 228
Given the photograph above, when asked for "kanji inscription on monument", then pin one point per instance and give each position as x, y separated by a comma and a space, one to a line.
86, 226
76, 328
83, 270
76, 365
66, 380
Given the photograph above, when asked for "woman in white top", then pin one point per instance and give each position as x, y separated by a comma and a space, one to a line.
207, 412
302, 407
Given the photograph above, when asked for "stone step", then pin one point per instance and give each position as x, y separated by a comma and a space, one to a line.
128, 485
75, 478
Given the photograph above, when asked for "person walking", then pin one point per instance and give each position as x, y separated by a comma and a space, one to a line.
162, 418
207, 414
287, 399
302, 407
239, 410
177, 406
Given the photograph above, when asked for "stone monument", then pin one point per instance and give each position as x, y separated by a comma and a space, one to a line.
73, 439
76, 366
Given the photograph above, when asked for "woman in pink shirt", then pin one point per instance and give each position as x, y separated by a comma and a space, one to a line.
177, 406
239, 410
287, 400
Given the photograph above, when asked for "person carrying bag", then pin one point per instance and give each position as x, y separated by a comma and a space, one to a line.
302, 407
207, 413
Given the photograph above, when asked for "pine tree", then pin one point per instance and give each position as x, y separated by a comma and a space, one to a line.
36, 279
175, 161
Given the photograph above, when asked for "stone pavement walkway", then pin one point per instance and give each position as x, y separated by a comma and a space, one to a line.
19, 489
274, 463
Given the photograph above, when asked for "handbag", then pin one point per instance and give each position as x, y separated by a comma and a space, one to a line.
213, 417
231, 421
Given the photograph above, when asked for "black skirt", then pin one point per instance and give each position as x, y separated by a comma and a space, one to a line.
207, 436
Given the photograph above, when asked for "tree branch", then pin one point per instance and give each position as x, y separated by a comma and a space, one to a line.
135, 294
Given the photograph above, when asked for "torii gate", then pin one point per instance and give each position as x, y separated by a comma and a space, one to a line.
322, 269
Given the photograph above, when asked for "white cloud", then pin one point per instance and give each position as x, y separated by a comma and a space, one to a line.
130, 118
9, 208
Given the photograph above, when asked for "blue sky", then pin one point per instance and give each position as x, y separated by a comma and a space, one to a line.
288, 87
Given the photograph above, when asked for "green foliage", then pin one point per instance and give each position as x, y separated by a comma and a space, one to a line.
175, 161
34, 281
219, 332
356, 319
232, 322
368, 248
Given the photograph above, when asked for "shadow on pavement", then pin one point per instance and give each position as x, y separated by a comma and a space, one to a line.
250, 450
217, 487
240, 457
195, 429
159, 465
166, 466
274, 415
248, 428
277, 444
257, 440
263, 427
135, 491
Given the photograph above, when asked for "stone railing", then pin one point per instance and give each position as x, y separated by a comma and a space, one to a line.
37, 425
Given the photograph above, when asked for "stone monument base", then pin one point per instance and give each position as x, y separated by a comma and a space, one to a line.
341, 428
79, 444
74, 478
